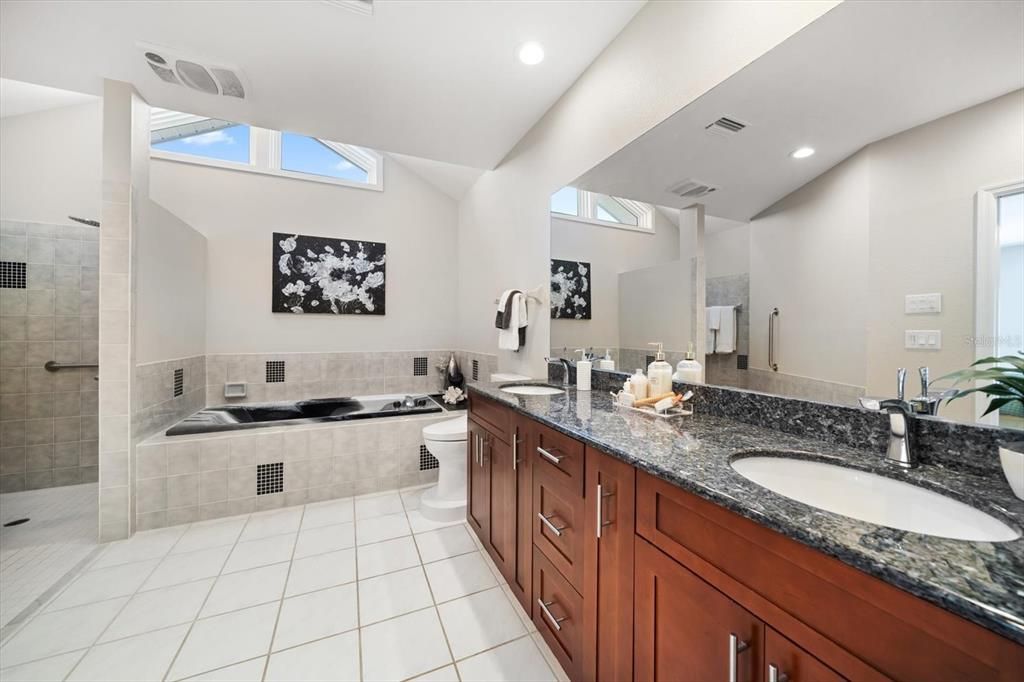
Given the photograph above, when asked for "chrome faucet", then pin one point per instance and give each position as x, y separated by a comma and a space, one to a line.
929, 401
901, 445
565, 369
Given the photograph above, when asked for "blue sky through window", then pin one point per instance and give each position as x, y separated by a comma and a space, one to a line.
303, 154
565, 201
229, 144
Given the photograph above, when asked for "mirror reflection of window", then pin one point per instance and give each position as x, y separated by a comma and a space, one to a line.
566, 201
1010, 313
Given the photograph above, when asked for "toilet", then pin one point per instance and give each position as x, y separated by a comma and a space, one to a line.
446, 441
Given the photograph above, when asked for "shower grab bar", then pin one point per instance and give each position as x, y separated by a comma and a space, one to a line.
771, 340
54, 366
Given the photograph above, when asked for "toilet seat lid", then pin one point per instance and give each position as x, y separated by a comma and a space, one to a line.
448, 430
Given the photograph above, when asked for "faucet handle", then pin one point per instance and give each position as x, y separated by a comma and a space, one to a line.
923, 371
901, 383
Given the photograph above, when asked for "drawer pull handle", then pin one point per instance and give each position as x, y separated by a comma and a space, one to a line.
557, 530
554, 459
515, 450
775, 676
601, 523
736, 647
555, 622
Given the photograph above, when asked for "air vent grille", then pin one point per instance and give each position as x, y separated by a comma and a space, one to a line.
724, 125
691, 189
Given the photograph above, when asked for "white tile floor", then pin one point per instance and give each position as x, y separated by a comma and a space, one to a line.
363, 589
34, 556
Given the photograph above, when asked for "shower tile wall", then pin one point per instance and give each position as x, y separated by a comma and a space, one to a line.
158, 401
48, 420
723, 369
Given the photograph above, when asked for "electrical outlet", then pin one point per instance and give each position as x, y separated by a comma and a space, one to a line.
922, 339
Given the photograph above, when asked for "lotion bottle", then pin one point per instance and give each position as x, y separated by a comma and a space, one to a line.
583, 366
659, 372
606, 362
639, 383
689, 371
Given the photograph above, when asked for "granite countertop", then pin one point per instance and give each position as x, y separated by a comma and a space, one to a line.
980, 581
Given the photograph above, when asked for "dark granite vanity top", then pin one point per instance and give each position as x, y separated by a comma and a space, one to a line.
980, 581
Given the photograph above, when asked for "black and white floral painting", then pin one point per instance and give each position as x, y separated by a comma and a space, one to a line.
570, 290
327, 275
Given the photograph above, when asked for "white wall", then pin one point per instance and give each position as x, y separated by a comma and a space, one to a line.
670, 54
238, 212
51, 164
610, 251
655, 306
808, 258
726, 247
170, 287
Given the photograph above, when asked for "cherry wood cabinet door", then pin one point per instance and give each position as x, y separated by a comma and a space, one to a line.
501, 503
478, 482
683, 626
521, 577
608, 579
784, 661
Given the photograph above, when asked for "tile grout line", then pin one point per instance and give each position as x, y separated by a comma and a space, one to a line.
284, 591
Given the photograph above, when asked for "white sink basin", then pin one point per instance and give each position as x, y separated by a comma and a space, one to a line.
872, 498
532, 390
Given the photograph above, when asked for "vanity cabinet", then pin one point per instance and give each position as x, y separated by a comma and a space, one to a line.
630, 577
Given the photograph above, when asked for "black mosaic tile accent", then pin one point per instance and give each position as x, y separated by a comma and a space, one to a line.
270, 478
419, 367
980, 581
12, 275
275, 371
427, 460
476, 370
179, 382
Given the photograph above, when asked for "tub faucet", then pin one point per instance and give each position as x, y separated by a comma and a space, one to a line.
565, 370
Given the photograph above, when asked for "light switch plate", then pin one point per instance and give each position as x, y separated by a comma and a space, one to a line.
922, 339
917, 304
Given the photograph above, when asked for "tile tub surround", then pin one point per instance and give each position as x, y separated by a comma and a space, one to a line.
319, 592
979, 581
331, 375
154, 405
181, 479
48, 420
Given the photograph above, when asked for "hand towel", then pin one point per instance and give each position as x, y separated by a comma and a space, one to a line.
726, 340
713, 323
509, 339
503, 317
523, 319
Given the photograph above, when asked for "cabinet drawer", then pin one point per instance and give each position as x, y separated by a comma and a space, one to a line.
558, 526
559, 456
558, 614
490, 414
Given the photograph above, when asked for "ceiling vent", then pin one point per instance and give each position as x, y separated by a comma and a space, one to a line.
357, 6
691, 189
725, 127
177, 70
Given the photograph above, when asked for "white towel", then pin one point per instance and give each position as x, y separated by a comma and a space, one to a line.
508, 339
726, 341
713, 323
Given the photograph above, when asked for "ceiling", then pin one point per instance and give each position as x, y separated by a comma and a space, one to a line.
18, 98
450, 179
862, 72
438, 80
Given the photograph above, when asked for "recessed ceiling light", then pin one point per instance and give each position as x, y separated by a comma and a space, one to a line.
531, 53
803, 153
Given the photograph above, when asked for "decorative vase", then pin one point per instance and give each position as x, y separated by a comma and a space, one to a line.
1011, 456
453, 374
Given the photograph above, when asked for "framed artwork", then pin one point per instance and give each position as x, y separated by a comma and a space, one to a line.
328, 275
570, 290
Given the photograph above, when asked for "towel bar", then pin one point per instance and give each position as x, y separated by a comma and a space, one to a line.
53, 366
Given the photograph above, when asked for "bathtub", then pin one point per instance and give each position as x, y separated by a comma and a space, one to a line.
321, 410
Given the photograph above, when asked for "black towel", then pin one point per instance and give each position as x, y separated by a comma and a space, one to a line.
503, 318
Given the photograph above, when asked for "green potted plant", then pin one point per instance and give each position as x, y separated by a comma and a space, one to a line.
1005, 390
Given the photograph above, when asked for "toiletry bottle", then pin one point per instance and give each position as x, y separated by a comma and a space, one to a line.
607, 362
583, 366
659, 372
689, 371
639, 383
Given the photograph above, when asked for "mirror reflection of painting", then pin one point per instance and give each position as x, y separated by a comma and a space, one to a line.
325, 275
570, 290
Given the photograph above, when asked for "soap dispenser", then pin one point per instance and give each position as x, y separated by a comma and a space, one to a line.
583, 366
606, 362
689, 371
659, 372
639, 384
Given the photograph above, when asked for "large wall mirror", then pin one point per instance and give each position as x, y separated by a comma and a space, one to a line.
849, 204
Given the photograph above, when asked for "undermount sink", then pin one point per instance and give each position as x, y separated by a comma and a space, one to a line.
873, 498
532, 389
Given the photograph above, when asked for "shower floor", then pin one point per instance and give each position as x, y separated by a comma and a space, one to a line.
35, 556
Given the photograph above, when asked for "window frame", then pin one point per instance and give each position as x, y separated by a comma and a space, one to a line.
586, 207
265, 159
